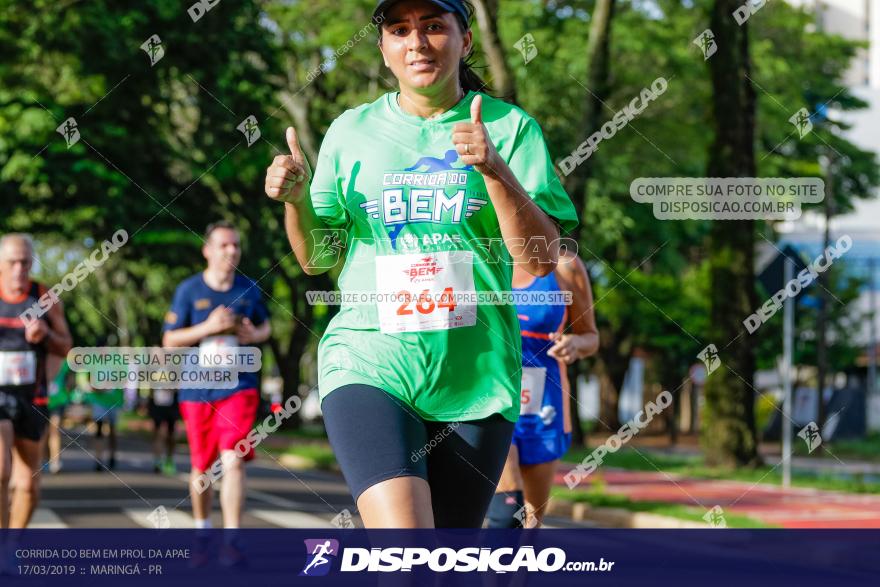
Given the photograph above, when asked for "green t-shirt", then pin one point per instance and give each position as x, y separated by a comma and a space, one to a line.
59, 395
104, 398
418, 220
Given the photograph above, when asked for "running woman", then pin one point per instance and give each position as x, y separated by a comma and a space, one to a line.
24, 344
218, 307
553, 337
164, 412
420, 393
57, 371
106, 404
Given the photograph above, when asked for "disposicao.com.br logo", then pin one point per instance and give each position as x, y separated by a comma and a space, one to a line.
442, 560
318, 556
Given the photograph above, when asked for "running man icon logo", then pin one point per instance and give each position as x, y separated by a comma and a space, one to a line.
706, 42
70, 131
250, 130
710, 358
343, 520
318, 556
525, 520
527, 47
810, 434
154, 50
159, 518
715, 517
329, 244
802, 122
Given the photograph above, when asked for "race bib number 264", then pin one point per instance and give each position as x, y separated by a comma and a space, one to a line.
424, 292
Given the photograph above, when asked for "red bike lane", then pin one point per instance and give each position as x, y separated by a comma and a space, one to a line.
789, 508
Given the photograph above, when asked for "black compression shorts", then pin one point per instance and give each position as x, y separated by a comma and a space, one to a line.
28, 420
377, 437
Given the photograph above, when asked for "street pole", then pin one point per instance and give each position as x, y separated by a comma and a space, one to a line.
872, 347
787, 343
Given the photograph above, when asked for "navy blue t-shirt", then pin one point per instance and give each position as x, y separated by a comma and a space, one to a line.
193, 303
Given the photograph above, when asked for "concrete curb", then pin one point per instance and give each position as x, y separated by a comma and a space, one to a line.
615, 517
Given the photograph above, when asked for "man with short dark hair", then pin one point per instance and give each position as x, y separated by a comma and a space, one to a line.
218, 308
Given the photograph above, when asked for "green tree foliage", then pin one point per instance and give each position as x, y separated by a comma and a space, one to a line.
160, 154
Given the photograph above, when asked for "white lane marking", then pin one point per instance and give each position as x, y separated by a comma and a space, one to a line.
290, 519
287, 504
104, 504
45, 518
143, 517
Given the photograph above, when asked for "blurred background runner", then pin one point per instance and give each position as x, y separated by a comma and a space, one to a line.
105, 413
59, 396
164, 412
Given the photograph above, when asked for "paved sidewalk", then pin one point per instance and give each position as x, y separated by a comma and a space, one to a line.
789, 508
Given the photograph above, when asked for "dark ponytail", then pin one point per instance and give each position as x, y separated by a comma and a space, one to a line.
467, 77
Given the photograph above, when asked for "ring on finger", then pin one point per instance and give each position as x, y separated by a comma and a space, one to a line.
467, 148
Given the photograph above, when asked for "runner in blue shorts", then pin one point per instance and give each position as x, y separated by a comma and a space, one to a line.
553, 336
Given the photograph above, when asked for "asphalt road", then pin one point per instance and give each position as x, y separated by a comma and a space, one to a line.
132, 496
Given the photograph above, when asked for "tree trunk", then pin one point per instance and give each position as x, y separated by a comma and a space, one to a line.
611, 377
597, 81
297, 107
288, 368
289, 358
673, 421
822, 291
503, 83
598, 86
577, 432
295, 100
729, 427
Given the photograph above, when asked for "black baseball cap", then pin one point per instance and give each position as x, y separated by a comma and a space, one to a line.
456, 7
